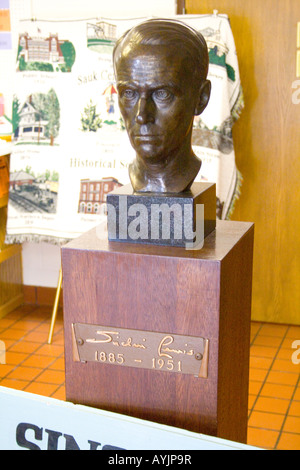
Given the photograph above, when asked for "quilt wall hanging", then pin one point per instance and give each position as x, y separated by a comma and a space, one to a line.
70, 147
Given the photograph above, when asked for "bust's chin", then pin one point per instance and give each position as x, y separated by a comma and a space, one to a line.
170, 178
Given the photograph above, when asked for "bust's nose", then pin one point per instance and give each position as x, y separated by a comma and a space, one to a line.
145, 111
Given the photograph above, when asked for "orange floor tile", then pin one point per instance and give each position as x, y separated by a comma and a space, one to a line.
34, 366
274, 398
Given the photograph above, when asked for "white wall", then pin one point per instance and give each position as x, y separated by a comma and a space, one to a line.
41, 262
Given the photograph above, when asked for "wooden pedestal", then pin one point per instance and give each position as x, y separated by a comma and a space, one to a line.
205, 293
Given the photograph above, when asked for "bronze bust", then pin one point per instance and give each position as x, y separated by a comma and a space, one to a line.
161, 75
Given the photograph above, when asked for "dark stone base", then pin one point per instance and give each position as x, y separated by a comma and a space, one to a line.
161, 219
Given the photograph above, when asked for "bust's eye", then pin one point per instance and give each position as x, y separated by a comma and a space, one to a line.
162, 94
128, 94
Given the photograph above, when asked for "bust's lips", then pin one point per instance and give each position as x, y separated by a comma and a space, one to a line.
146, 137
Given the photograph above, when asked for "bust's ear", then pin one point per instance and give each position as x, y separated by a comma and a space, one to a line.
203, 97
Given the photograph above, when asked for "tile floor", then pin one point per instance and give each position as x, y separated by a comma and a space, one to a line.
34, 366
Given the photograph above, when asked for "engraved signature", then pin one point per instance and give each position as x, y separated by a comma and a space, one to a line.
106, 334
108, 338
163, 348
131, 344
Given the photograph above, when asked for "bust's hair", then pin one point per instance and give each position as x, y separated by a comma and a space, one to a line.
170, 33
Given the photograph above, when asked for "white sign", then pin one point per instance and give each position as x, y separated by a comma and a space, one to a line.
29, 421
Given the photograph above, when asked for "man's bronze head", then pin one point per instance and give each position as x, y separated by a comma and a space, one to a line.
161, 68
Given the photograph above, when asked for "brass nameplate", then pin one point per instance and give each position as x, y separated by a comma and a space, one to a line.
143, 349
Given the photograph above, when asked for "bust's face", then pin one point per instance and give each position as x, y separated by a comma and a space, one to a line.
157, 100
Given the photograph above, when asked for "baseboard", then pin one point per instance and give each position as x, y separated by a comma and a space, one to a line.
11, 305
41, 295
